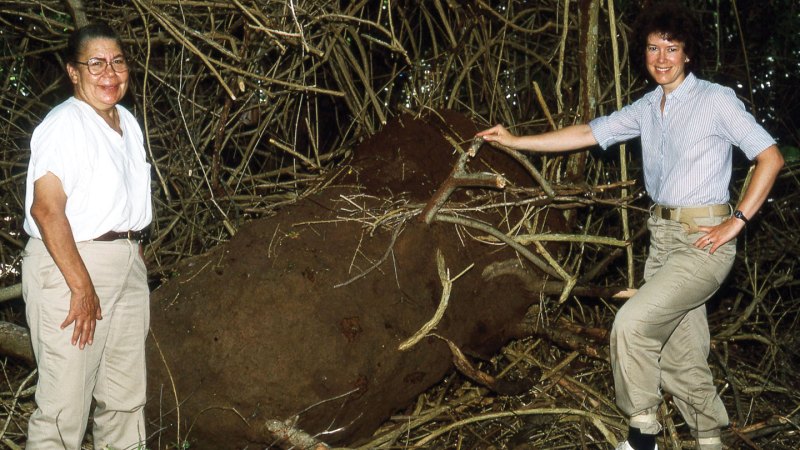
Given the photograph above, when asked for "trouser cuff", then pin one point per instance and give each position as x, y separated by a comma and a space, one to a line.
709, 443
715, 433
646, 423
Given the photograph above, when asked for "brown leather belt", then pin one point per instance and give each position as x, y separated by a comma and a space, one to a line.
138, 236
686, 216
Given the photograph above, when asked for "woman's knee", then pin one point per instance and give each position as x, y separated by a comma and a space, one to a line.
627, 321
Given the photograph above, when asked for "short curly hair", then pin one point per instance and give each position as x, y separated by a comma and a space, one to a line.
674, 22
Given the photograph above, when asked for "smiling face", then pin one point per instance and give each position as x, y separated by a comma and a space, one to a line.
102, 92
666, 61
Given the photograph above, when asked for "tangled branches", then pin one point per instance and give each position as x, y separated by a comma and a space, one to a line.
245, 104
248, 105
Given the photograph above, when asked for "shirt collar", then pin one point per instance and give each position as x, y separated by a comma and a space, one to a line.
678, 94
686, 86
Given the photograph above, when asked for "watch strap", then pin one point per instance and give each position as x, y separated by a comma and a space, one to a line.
740, 215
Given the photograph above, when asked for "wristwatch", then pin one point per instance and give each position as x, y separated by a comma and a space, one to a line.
740, 215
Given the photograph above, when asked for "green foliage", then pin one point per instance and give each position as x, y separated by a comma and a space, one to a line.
790, 153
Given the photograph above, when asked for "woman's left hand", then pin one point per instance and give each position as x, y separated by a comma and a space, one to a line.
768, 163
719, 235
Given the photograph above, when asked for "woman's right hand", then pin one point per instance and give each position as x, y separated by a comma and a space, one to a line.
573, 137
84, 312
49, 213
499, 134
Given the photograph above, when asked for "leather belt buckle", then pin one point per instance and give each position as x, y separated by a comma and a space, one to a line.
130, 235
664, 212
133, 235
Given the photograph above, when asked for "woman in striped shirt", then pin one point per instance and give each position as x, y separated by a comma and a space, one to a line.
687, 126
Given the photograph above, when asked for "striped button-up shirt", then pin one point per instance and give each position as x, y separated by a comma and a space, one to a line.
686, 150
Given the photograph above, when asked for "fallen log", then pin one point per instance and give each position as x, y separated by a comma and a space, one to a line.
10, 292
15, 341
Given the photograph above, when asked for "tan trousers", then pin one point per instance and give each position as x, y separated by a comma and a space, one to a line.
660, 338
111, 370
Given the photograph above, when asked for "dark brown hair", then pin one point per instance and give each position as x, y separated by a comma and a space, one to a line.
674, 22
79, 37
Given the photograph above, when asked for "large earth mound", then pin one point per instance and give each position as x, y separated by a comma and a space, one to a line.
300, 315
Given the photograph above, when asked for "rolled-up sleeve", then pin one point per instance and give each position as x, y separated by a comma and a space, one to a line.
738, 126
619, 126
51, 146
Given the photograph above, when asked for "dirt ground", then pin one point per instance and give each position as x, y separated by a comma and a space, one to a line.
256, 329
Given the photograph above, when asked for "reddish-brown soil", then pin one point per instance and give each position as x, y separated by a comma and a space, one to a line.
256, 330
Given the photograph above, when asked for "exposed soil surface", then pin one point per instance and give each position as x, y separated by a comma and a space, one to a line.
256, 330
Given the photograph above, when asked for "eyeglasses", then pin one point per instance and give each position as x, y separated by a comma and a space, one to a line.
96, 66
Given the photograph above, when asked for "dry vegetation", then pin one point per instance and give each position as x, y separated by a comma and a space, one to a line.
246, 106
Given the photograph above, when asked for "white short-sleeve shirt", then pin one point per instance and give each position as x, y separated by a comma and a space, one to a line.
105, 176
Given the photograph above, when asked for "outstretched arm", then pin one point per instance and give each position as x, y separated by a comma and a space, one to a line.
569, 138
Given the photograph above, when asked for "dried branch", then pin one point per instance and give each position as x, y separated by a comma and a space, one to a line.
447, 286
535, 260
460, 178
288, 436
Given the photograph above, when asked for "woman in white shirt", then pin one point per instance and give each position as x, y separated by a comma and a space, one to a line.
84, 279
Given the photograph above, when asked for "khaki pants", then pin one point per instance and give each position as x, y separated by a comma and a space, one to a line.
112, 369
660, 338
